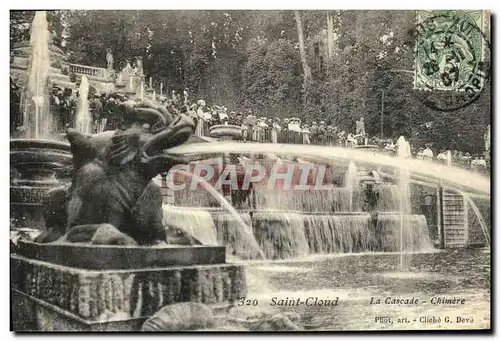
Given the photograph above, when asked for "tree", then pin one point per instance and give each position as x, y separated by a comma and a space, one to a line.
303, 57
330, 66
91, 33
271, 79
20, 25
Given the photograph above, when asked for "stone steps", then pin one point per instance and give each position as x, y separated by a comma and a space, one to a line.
454, 219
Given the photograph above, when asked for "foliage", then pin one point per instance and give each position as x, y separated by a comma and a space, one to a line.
20, 26
250, 60
271, 79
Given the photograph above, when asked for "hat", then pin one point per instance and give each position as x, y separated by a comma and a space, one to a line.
322, 122
286, 120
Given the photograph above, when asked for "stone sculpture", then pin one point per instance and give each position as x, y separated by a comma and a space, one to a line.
112, 198
109, 59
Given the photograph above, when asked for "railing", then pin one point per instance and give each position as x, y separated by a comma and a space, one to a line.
90, 71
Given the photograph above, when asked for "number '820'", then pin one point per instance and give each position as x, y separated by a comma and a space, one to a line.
244, 301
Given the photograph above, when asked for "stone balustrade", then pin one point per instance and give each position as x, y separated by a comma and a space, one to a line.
90, 71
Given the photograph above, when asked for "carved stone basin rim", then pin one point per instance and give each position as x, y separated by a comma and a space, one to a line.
39, 144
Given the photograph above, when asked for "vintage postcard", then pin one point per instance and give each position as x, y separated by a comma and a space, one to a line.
250, 170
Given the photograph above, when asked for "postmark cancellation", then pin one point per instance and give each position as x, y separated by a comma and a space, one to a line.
450, 51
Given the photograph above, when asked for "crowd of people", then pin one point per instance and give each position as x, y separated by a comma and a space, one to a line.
103, 108
456, 157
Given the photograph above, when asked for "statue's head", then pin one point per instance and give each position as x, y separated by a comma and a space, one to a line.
147, 132
143, 138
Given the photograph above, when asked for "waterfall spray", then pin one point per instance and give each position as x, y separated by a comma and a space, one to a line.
351, 182
451, 177
404, 188
83, 115
37, 117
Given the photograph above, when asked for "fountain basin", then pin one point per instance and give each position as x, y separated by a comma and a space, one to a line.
39, 159
121, 257
36, 166
28, 194
38, 144
52, 297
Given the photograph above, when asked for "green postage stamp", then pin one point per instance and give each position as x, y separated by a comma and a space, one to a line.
450, 51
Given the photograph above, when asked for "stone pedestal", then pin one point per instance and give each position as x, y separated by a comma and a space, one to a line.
49, 296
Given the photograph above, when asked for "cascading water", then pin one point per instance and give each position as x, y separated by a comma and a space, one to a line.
281, 234
339, 233
288, 226
351, 182
83, 115
333, 199
291, 235
242, 229
404, 193
38, 121
286, 235
198, 223
413, 238
387, 197
229, 233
